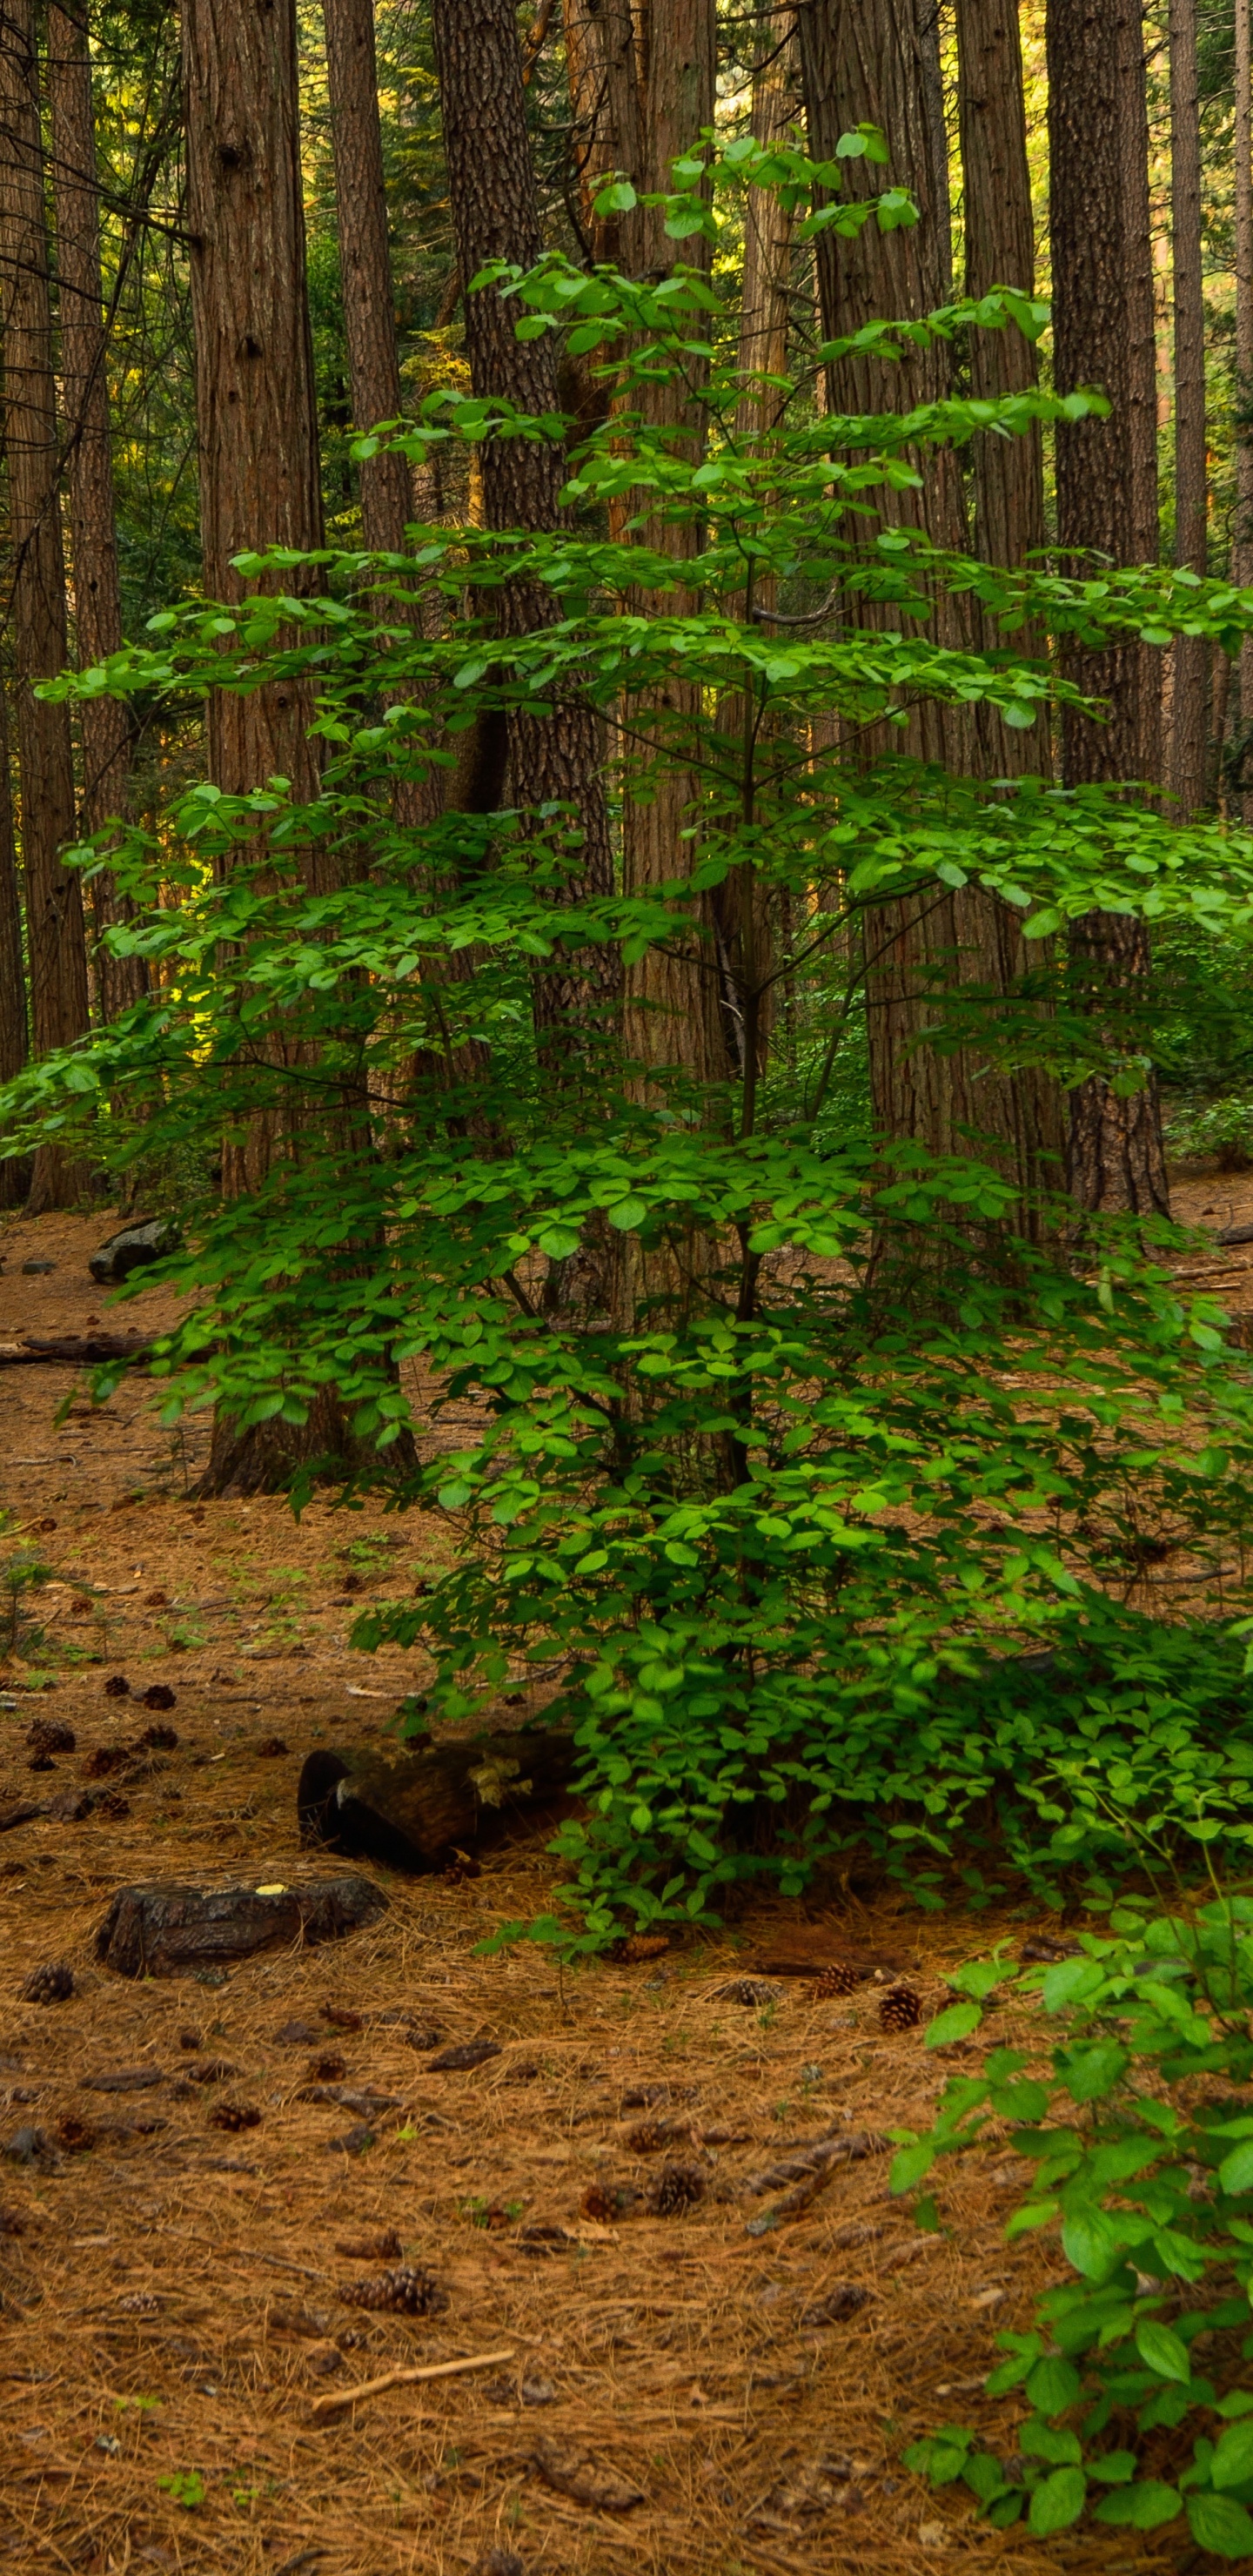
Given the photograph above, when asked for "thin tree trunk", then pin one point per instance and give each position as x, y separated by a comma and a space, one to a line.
1140, 341
56, 948
1116, 1157
741, 906
1242, 544
557, 758
104, 722
1190, 653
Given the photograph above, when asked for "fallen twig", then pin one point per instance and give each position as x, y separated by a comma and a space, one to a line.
397, 2378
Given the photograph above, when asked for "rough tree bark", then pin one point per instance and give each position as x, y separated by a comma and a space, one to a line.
675, 1014
14, 1176
558, 758
259, 485
1242, 532
608, 122
1116, 1158
1186, 769
104, 723
870, 59
56, 948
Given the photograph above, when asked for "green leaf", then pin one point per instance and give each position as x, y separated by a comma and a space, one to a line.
1235, 2173
1162, 2351
617, 199
1233, 2459
956, 2023
1140, 2508
911, 2165
1053, 2385
1057, 2503
1217, 2522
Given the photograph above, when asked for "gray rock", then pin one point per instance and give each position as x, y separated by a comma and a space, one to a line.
129, 1250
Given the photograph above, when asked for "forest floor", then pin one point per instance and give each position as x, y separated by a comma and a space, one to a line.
171, 2285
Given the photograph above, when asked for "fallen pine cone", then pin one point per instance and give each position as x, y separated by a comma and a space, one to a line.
455, 2061
48, 1735
117, 1687
371, 2249
342, 2017
652, 2135
409, 2291
838, 1979
423, 2037
635, 1946
606, 2202
234, 2116
113, 1805
213, 2070
158, 1739
841, 2302
159, 1695
270, 1748
572, 2472
48, 1985
900, 2009
677, 2187
752, 1990
75, 2135
330, 2069
107, 1758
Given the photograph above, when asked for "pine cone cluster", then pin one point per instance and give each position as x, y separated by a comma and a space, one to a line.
234, 2116
408, 2292
51, 1984
837, 1979
900, 2009
678, 2187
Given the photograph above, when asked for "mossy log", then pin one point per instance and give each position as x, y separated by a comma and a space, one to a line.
417, 1808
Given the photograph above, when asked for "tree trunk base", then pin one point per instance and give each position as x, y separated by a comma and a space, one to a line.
268, 1456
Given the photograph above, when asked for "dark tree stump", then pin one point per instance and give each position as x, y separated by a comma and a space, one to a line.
415, 1809
163, 1931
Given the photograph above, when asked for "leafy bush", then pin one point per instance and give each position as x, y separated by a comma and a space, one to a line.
1142, 2138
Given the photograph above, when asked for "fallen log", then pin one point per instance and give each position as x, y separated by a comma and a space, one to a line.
164, 1931
415, 1809
75, 1350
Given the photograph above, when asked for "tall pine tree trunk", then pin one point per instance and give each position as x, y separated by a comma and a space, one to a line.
607, 122
872, 59
1242, 534
104, 722
1190, 654
676, 1011
54, 909
259, 486
13, 1030
558, 758
365, 264
1116, 1157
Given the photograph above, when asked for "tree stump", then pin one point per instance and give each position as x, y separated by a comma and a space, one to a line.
415, 1809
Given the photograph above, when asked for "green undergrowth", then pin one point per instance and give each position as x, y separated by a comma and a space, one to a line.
1133, 2392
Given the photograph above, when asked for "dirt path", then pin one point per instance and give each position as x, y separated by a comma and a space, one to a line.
171, 2262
